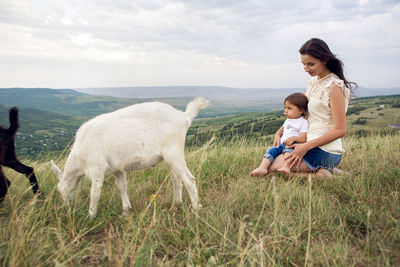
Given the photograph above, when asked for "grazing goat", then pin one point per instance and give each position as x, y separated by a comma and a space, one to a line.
131, 138
8, 156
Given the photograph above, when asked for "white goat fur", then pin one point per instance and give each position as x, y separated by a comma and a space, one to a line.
131, 138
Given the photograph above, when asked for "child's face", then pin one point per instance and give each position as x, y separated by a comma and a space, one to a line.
292, 111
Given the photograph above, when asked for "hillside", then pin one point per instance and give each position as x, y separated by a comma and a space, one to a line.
352, 220
50, 118
41, 131
365, 116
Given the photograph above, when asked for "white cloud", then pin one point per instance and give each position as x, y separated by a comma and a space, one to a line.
157, 42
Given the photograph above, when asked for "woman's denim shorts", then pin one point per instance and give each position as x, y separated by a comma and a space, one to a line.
316, 158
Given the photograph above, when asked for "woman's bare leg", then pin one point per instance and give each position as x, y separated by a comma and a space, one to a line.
303, 169
320, 174
338, 171
323, 174
285, 168
262, 169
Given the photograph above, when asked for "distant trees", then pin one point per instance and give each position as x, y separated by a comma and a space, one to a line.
396, 105
360, 121
251, 128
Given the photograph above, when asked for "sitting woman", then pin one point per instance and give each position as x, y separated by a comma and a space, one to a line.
328, 93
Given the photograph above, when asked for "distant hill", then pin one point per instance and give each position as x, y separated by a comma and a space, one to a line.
224, 100
49, 118
83, 105
366, 92
67, 102
219, 93
87, 103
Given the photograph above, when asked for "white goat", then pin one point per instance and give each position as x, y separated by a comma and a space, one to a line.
131, 138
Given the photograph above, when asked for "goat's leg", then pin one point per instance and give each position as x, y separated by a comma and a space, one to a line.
26, 170
190, 184
180, 170
4, 185
97, 178
120, 181
177, 189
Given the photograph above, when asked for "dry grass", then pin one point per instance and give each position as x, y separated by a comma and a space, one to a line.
350, 220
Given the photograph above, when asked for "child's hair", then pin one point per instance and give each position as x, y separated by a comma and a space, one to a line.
319, 49
299, 100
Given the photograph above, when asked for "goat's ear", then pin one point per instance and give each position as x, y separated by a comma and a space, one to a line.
56, 170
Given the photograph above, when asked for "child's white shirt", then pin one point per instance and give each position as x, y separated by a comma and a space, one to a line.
293, 127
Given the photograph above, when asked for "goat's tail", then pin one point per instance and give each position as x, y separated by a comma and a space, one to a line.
193, 108
14, 125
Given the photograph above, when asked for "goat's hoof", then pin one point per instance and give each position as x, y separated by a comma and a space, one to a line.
199, 206
40, 195
173, 209
92, 215
125, 213
175, 206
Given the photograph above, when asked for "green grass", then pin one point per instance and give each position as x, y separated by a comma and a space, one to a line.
352, 220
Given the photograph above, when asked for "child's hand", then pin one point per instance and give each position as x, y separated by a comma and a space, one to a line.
289, 141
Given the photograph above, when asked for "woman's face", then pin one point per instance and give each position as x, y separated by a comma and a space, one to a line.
314, 66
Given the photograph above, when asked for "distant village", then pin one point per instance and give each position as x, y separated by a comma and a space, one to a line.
31, 144
391, 125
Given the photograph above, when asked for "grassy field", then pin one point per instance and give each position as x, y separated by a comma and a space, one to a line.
352, 220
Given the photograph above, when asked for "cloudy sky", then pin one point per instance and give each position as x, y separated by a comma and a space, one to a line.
236, 43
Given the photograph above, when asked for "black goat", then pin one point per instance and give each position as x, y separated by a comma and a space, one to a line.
8, 156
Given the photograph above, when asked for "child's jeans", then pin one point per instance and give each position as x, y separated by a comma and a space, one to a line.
273, 152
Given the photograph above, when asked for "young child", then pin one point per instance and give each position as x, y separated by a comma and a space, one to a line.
294, 130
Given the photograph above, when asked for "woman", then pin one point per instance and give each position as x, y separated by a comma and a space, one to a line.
328, 93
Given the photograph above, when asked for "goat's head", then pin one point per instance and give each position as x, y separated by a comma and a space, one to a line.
67, 193
63, 192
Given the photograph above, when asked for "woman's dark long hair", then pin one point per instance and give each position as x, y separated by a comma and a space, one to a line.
319, 49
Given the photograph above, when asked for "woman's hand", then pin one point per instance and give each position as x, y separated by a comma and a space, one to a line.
295, 157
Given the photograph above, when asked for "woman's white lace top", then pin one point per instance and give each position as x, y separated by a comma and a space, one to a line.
319, 110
